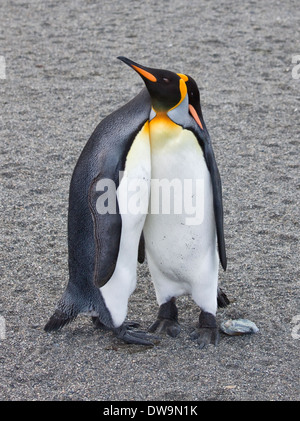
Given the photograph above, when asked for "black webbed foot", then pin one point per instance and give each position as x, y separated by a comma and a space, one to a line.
207, 331
167, 319
126, 333
99, 325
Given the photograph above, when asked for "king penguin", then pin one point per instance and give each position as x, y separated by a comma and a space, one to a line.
104, 239
183, 253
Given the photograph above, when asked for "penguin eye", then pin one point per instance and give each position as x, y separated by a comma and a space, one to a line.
166, 80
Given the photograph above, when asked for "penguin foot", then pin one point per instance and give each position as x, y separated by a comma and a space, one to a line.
167, 319
99, 325
207, 331
126, 332
137, 337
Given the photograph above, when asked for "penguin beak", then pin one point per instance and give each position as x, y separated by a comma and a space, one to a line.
143, 71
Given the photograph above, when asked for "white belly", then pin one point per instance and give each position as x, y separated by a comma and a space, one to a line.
181, 246
122, 283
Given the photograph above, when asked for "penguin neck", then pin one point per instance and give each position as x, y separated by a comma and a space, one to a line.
162, 128
178, 115
161, 115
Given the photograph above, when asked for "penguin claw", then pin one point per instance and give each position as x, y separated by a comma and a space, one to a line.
136, 337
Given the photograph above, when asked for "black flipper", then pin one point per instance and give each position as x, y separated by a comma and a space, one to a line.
218, 203
106, 153
205, 143
203, 137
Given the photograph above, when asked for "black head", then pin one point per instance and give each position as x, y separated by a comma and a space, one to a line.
167, 89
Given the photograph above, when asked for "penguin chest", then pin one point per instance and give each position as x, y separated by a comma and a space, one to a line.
180, 225
133, 191
180, 180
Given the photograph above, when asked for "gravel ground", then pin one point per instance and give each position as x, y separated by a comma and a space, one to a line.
62, 78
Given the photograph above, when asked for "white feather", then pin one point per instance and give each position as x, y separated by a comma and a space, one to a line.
118, 289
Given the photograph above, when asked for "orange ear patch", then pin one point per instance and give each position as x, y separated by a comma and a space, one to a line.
183, 92
195, 116
184, 77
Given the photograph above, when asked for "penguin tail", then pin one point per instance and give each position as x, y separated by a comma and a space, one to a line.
76, 301
58, 320
66, 311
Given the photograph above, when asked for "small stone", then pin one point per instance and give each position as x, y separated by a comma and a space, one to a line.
238, 327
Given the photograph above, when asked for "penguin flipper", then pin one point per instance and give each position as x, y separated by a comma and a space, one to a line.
123, 127
204, 141
218, 202
94, 237
195, 122
107, 236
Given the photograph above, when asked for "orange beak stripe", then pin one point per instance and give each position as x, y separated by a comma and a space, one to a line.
195, 115
146, 74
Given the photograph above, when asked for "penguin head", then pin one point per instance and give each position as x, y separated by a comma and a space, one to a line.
167, 89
